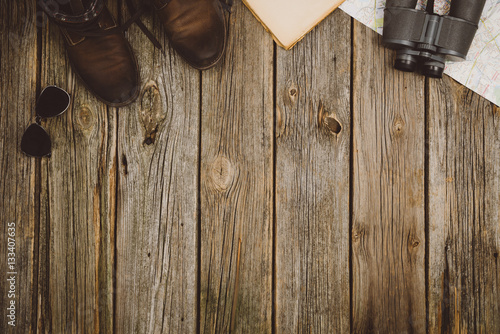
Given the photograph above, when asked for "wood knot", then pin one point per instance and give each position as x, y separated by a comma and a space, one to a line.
332, 125
398, 125
357, 234
85, 117
293, 94
152, 114
327, 121
415, 243
222, 173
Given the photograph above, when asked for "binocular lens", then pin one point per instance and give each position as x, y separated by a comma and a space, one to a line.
432, 70
405, 65
406, 62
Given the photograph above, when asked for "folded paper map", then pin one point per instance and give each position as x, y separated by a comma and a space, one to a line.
289, 20
481, 71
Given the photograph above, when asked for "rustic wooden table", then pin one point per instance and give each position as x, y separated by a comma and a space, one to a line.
313, 191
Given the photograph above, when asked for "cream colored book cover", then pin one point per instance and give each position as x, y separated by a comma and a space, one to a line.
289, 21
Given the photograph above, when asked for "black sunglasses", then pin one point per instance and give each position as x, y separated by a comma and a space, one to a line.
52, 102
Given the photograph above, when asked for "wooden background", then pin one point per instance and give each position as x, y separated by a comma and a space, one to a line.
313, 191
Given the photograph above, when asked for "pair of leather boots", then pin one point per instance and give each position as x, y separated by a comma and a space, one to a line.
103, 58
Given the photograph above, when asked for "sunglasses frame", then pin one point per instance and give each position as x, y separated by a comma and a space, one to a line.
38, 119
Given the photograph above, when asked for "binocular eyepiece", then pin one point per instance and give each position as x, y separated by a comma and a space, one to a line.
423, 39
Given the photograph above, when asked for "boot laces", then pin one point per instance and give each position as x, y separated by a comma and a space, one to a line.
91, 29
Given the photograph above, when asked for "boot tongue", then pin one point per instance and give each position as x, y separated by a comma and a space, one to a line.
77, 7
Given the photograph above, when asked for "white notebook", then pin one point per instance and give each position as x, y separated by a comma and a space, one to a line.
289, 20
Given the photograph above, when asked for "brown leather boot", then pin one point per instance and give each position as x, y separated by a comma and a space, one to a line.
97, 49
196, 29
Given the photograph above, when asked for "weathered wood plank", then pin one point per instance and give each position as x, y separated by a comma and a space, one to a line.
77, 204
464, 212
312, 181
237, 183
18, 209
388, 232
158, 195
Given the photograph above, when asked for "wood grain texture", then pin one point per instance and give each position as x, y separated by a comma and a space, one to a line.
18, 58
77, 204
145, 213
388, 232
237, 182
312, 181
464, 213
158, 194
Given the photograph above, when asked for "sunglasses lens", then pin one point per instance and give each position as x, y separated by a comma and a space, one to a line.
36, 142
53, 101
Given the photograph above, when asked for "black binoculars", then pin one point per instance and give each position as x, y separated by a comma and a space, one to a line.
423, 39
